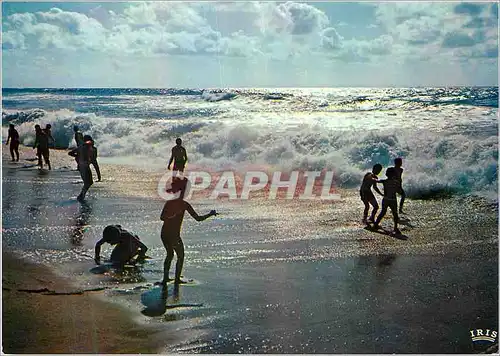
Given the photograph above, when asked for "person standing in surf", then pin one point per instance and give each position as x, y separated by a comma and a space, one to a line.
48, 132
398, 163
128, 246
83, 156
93, 160
391, 187
172, 216
78, 136
367, 196
42, 147
179, 157
78, 139
14, 142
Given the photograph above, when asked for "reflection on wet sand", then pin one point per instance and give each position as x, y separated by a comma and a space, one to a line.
81, 222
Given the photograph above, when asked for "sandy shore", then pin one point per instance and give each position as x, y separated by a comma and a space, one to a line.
43, 313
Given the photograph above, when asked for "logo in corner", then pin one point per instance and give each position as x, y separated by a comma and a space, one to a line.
480, 335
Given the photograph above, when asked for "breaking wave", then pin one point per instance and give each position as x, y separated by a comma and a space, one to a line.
448, 148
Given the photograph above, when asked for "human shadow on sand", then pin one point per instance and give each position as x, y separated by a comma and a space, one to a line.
156, 300
386, 232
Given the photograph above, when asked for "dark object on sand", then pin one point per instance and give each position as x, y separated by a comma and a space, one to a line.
383, 231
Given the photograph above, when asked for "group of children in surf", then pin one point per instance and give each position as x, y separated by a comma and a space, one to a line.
392, 186
43, 139
85, 153
130, 250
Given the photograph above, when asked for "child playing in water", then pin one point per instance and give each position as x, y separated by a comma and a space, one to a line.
172, 216
179, 157
93, 160
398, 162
42, 147
83, 155
14, 142
391, 187
366, 193
48, 132
127, 247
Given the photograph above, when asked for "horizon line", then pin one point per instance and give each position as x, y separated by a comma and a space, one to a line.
264, 87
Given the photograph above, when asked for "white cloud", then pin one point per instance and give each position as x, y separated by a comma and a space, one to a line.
12, 40
302, 19
437, 29
176, 28
330, 39
365, 50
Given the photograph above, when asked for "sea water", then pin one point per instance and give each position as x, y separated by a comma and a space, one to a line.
446, 136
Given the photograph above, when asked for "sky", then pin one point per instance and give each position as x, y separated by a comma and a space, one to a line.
249, 44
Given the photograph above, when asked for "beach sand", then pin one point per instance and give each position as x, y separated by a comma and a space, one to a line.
302, 278
36, 321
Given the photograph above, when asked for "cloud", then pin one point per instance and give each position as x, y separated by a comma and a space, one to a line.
438, 29
12, 40
279, 30
304, 19
419, 31
365, 50
330, 39
54, 29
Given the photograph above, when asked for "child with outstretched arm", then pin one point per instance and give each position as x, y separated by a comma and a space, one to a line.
172, 216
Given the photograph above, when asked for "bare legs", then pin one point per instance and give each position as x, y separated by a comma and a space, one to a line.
173, 245
14, 148
374, 203
393, 205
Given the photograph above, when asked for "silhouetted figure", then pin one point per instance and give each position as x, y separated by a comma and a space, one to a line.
78, 136
42, 147
78, 139
179, 157
398, 162
93, 161
366, 193
83, 156
14, 142
48, 132
127, 247
172, 216
35, 147
391, 187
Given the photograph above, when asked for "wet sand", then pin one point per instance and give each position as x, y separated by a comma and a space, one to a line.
43, 313
302, 278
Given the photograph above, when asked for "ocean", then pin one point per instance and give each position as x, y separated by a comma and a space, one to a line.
273, 276
446, 136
